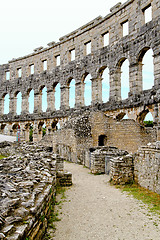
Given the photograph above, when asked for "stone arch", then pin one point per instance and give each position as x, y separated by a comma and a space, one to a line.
29, 131
122, 77
71, 92
141, 116
3, 127
18, 102
43, 97
16, 128
57, 95
103, 74
87, 88
145, 82
5, 103
30, 96
40, 132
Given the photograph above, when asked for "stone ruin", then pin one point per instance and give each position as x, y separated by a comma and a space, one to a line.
28, 177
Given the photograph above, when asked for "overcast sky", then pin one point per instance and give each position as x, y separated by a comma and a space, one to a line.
28, 24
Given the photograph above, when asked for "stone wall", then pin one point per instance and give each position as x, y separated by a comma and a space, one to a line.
147, 167
122, 169
101, 158
27, 189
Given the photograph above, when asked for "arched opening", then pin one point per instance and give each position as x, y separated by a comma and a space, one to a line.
102, 140
57, 97
29, 132
148, 120
147, 69
44, 99
4, 129
41, 126
87, 90
124, 79
43, 129
72, 93
6, 104
31, 101
53, 126
16, 131
19, 103
58, 126
105, 85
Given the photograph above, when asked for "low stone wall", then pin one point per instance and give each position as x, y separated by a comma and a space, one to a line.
121, 169
27, 189
101, 156
147, 167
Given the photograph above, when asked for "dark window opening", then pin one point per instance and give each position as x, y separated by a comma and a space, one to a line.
102, 140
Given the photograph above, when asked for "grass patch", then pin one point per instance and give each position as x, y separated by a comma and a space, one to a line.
61, 190
1, 156
146, 196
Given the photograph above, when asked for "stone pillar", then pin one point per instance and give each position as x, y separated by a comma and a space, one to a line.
25, 103
64, 97
156, 62
2, 106
27, 134
158, 132
96, 90
35, 131
115, 85
13, 104
79, 94
37, 102
50, 100
156, 113
135, 78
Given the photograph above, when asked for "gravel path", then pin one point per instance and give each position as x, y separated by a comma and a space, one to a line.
7, 138
94, 210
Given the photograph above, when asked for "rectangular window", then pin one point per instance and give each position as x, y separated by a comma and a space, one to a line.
106, 39
32, 69
57, 60
8, 75
125, 28
72, 54
148, 14
44, 65
19, 71
88, 48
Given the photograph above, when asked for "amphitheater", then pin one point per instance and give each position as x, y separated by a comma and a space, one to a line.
98, 133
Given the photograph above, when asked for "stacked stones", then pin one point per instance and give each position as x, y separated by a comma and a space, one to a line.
147, 167
101, 156
27, 182
121, 169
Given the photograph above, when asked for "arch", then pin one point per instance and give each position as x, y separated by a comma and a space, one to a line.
19, 103
144, 115
6, 103
31, 100
71, 84
57, 95
44, 98
29, 132
53, 125
40, 130
146, 68
125, 79
104, 73
87, 89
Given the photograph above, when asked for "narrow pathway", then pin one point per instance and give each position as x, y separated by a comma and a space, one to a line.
94, 210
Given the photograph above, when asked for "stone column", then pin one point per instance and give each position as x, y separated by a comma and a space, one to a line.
156, 62
156, 113
37, 102
96, 90
50, 100
25, 103
35, 131
2, 106
79, 94
135, 78
115, 85
64, 97
13, 104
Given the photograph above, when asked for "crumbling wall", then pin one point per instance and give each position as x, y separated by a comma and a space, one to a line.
27, 189
147, 167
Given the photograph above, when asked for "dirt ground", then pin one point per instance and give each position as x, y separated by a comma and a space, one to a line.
94, 210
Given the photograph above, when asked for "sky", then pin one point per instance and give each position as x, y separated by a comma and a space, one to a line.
26, 25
